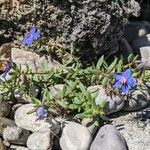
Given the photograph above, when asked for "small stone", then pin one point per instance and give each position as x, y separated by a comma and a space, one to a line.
6, 143
87, 122
135, 131
137, 99
75, 137
5, 108
145, 54
109, 138
2, 146
34, 61
16, 135
5, 50
39, 141
4, 122
22, 97
16, 147
16, 106
114, 103
26, 117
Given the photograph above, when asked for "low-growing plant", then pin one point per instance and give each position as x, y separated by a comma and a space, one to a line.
74, 98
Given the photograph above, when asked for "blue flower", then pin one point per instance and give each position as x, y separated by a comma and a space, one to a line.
7, 68
124, 81
41, 112
30, 36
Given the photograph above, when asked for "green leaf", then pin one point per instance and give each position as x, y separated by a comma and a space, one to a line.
88, 96
47, 95
82, 87
64, 90
73, 106
62, 104
94, 94
77, 101
35, 78
53, 111
86, 114
135, 58
93, 79
135, 74
103, 103
96, 123
87, 106
112, 66
100, 62
35, 101
130, 58
105, 65
105, 81
94, 71
120, 64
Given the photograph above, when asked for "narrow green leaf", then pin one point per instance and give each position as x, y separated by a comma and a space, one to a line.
105, 81
112, 66
62, 104
100, 62
103, 103
64, 90
77, 101
47, 95
135, 58
88, 96
73, 106
130, 58
120, 64
86, 114
35, 101
87, 106
93, 80
53, 111
82, 87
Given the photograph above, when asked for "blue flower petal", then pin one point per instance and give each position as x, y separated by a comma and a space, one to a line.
27, 40
131, 82
117, 84
7, 68
41, 112
36, 35
32, 30
8, 65
118, 76
125, 88
127, 73
4, 75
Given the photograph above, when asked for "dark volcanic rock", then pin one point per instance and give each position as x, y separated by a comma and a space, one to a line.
94, 26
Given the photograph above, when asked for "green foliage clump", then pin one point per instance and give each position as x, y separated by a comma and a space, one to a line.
74, 99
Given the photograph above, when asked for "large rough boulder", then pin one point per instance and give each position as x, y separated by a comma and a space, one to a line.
95, 27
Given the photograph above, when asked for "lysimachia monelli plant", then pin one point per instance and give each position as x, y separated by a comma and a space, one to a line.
74, 99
